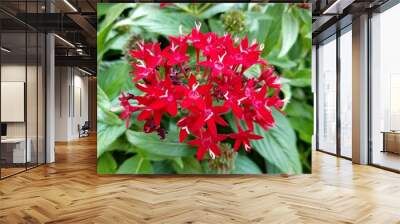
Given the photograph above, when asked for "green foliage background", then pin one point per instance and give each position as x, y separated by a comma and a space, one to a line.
285, 30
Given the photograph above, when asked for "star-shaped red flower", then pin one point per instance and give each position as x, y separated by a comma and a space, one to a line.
243, 138
207, 142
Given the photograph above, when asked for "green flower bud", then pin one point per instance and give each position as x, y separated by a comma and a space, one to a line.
234, 21
256, 8
225, 163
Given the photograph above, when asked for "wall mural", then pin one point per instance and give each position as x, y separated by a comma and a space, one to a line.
204, 88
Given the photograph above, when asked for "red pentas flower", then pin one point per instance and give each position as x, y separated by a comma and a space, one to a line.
175, 54
148, 58
128, 108
195, 93
202, 93
207, 142
243, 138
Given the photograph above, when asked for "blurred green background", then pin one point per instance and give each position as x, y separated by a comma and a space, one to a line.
285, 30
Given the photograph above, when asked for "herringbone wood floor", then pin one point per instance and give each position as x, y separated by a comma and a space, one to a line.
70, 191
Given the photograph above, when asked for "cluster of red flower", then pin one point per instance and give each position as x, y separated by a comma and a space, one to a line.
204, 89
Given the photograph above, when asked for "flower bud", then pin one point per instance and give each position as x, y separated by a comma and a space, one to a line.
234, 21
256, 8
225, 163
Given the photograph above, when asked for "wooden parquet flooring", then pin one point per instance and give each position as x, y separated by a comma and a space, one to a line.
10, 171
70, 191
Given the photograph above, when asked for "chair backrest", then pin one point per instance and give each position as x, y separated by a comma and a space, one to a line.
86, 125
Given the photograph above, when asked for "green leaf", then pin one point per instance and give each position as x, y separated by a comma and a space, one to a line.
301, 49
102, 99
121, 144
104, 113
216, 26
109, 126
121, 42
163, 167
178, 161
106, 135
258, 16
301, 82
302, 78
102, 9
151, 143
278, 147
306, 31
107, 117
114, 77
284, 62
253, 72
287, 91
167, 24
304, 127
272, 27
261, 33
190, 165
114, 11
152, 157
135, 165
290, 31
299, 109
272, 169
300, 73
217, 8
106, 164
103, 47
103, 44
244, 165
305, 15
258, 24
301, 94
300, 115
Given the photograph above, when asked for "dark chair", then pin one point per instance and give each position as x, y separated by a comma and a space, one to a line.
84, 130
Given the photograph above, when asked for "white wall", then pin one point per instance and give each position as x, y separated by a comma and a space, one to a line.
61, 103
33, 127
13, 100
80, 89
70, 84
16, 73
12, 73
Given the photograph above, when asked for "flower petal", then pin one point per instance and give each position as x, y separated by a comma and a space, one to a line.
144, 115
237, 145
214, 148
212, 127
157, 118
200, 152
172, 108
158, 104
183, 134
